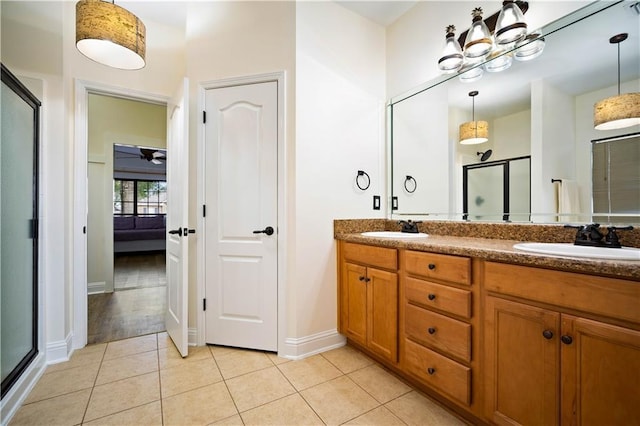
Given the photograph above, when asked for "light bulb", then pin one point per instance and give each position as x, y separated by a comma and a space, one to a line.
478, 43
510, 26
451, 59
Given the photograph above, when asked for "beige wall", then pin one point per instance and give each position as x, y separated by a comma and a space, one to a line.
113, 121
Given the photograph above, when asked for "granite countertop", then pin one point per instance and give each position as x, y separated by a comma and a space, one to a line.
500, 250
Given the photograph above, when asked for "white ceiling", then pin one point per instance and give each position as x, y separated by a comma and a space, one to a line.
383, 12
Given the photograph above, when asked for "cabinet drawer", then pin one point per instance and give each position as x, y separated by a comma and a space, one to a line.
438, 371
437, 296
611, 297
382, 257
455, 269
439, 331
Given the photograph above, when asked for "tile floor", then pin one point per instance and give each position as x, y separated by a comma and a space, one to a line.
144, 381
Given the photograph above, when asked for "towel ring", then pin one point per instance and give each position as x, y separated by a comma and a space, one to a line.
362, 173
415, 184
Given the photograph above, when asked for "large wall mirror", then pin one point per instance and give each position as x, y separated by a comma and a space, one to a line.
540, 109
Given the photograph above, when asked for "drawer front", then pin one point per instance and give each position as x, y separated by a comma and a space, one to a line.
382, 257
611, 297
439, 372
436, 296
454, 269
439, 331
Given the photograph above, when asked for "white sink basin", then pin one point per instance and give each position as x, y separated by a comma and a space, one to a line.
393, 234
568, 249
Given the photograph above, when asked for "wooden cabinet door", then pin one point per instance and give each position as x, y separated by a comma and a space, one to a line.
601, 373
354, 302
382, 334
522, 364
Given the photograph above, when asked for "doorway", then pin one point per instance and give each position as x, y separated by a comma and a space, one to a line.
126, 218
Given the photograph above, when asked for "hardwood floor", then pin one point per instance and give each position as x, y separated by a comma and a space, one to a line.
137, 307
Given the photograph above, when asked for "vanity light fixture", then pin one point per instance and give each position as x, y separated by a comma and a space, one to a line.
110, 34
474, 132
529, 47
478, 43
619, 111
451, 59
510, 26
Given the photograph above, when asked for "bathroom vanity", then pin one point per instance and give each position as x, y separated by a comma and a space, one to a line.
498, 335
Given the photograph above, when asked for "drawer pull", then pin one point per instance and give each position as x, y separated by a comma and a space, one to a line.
432, 330
361, 278
431, 296
431, 370
547, 334
432, 266
567, 340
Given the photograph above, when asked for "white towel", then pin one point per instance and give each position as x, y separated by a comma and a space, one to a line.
568, 200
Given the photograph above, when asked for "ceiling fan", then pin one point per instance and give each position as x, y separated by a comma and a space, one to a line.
153, 155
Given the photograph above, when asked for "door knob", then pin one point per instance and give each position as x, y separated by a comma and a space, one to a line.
177, 232
268, 230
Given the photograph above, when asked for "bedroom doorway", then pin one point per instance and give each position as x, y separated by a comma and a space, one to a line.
126, 230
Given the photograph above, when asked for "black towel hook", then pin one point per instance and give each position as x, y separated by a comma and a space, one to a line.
415, 184
362, 173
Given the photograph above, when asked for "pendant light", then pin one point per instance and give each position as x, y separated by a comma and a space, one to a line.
474, 132
110, 34
510, 26
619, 111
478, 43
451, 59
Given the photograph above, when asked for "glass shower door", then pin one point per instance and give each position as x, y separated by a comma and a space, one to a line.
18, 229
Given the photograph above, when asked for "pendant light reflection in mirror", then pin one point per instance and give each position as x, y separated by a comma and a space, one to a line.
474, 132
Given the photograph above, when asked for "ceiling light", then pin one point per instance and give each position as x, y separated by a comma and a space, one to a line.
619, 111
478, 43
510, 26
451, 59
110, 35
474, 132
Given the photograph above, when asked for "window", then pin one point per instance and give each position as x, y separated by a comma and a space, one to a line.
139, 197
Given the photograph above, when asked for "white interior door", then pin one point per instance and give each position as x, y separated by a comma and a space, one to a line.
176, 317
241, 272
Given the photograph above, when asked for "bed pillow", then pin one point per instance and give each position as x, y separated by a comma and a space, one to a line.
122, 222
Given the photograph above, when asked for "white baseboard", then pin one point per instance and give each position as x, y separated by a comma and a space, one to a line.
96, 288
193, 337
303, 347
59, 351
20, 390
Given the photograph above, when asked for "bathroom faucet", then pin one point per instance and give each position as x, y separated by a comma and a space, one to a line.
409, 226
590, 235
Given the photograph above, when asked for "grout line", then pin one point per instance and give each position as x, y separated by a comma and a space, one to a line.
94, 384
160, 378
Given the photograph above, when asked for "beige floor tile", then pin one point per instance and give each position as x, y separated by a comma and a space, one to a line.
347, 359
122, 395
220, 351
292, 410
378, 416
144, 415
339, 400
309, 372
235, 420
416, 409
189, 376
277, 360
258, 388
380, 384
134, 345
88, 355
127, 366
170, 357
201, 406
62, 410
164, 341
240, 362
63, 382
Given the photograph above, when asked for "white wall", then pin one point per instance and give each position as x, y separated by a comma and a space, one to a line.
339, 129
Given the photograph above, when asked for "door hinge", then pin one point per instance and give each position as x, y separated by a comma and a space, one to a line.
204, 304
204, 116
204, 210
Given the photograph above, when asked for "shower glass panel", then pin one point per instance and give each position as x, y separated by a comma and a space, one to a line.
18, 229
485, 193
